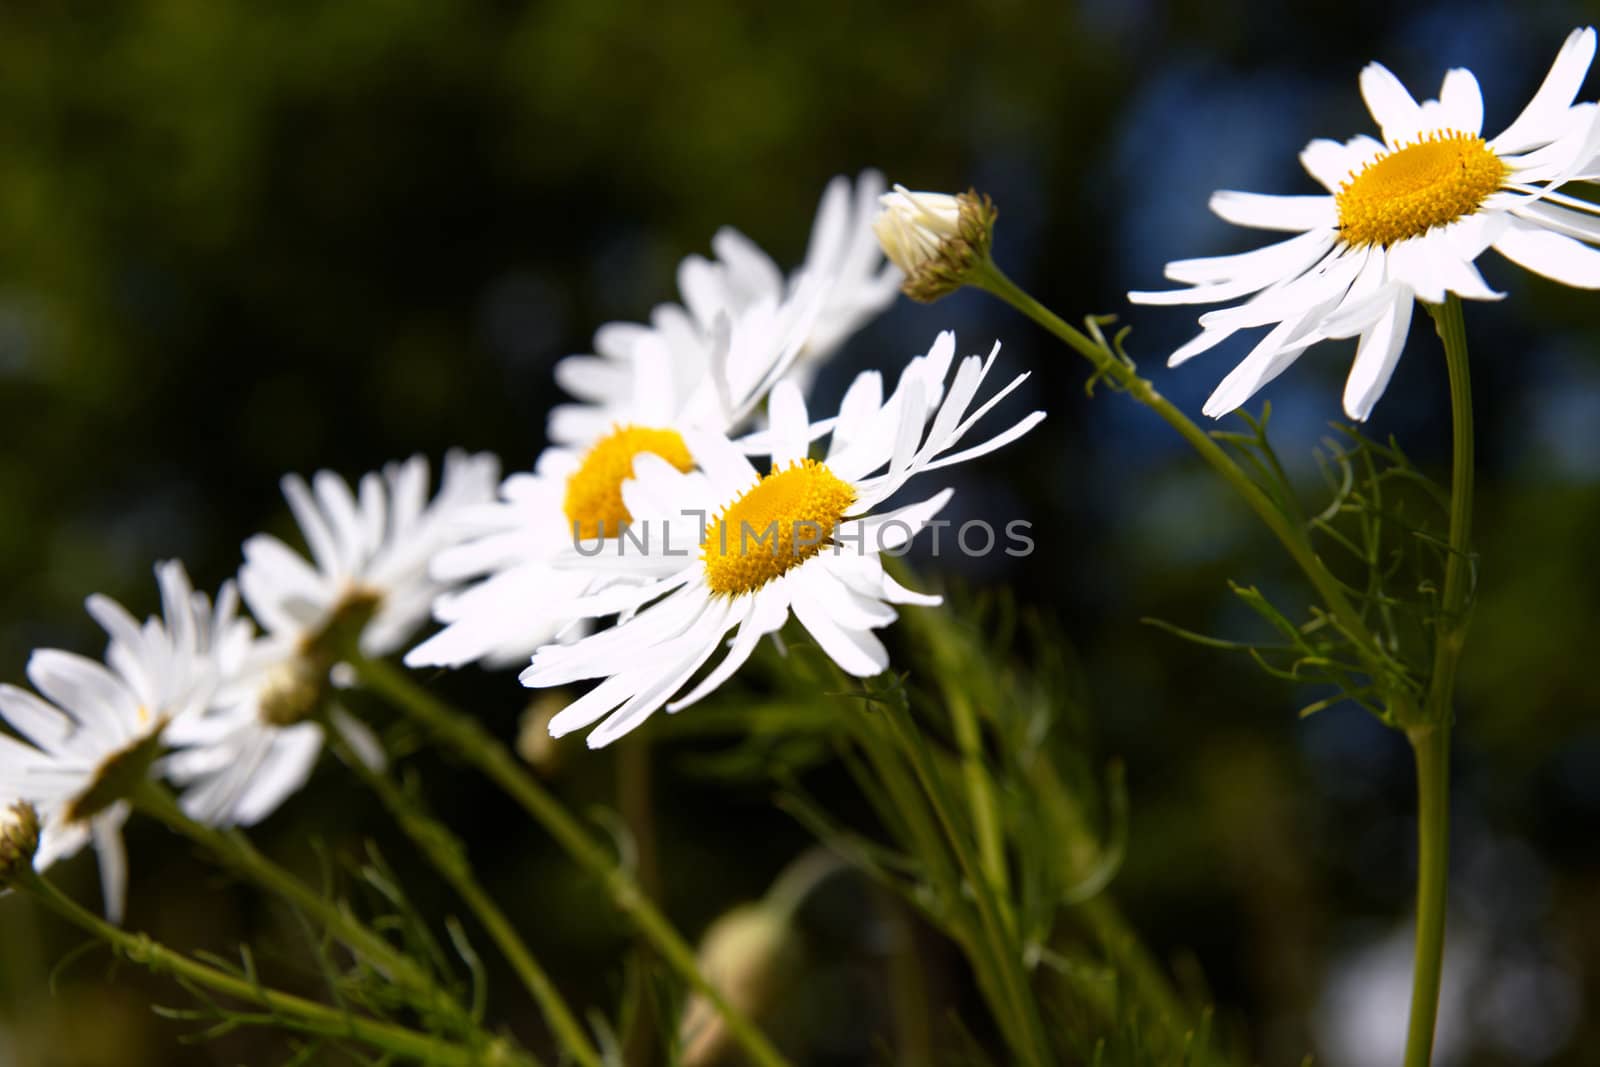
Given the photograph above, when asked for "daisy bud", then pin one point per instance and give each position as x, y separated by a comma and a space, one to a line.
938, 240
19, 840
537, 748
750, 955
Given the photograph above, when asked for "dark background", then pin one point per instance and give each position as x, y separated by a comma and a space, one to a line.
239, 240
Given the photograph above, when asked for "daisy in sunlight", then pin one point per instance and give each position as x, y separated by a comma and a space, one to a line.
804, 538
1403, 220
95, 730
703, 366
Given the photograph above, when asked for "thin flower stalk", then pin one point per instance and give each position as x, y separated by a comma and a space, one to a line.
473, 744
1291, 535
235, 851
1430, 739
447, 856
288, 1011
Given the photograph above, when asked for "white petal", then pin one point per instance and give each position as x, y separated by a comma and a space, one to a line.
87, 691
998, 441
1551, 254
1414, 265
1392, 106
106, 829
888, 531
1270, 358
1462, 101
1542, 119
313, 527
730, 472
593, 378
1262, 265
858, 652
843, 605
1330, 162
1204, 341
1563, 220
861, 401
1325, 283
1265, 212
1376, 357
786, 409
768, 611
284, 769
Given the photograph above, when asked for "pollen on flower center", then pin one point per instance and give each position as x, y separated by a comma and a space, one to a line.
1407, 192
777, 524
593, 503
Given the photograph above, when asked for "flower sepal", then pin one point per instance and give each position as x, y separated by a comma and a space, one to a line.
938, 240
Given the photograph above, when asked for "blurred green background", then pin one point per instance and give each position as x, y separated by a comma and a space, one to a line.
239, 240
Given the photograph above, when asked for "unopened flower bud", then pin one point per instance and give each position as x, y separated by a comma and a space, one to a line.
538, 749
750, 954
19, 840
938, 240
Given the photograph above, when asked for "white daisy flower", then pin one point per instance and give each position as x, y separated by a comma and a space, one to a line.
818, 557
733, 308
94, 730
369, 552
704, 366
1404, 220
843, 260
367, 582
574, 492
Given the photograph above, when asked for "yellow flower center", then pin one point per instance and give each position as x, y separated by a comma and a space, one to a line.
1407, 192
775, 525
594, 504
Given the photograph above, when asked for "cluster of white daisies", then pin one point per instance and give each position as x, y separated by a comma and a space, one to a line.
665, 422
660, 435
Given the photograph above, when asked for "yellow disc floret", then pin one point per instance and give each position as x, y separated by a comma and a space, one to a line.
1406, 192
777, 524
594, 504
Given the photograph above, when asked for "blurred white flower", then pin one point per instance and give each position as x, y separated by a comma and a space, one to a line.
817, 554
369, 552
367, 586
1403, 220
95, 730
843, 262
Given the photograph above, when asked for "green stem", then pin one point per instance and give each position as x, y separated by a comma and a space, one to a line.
634, 803
1133, 959
235, 851
288, 1011
1432, 750
1430, 739
475, 745
1029, 1041
989, 277
449, 858
985, 812
1451, 626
